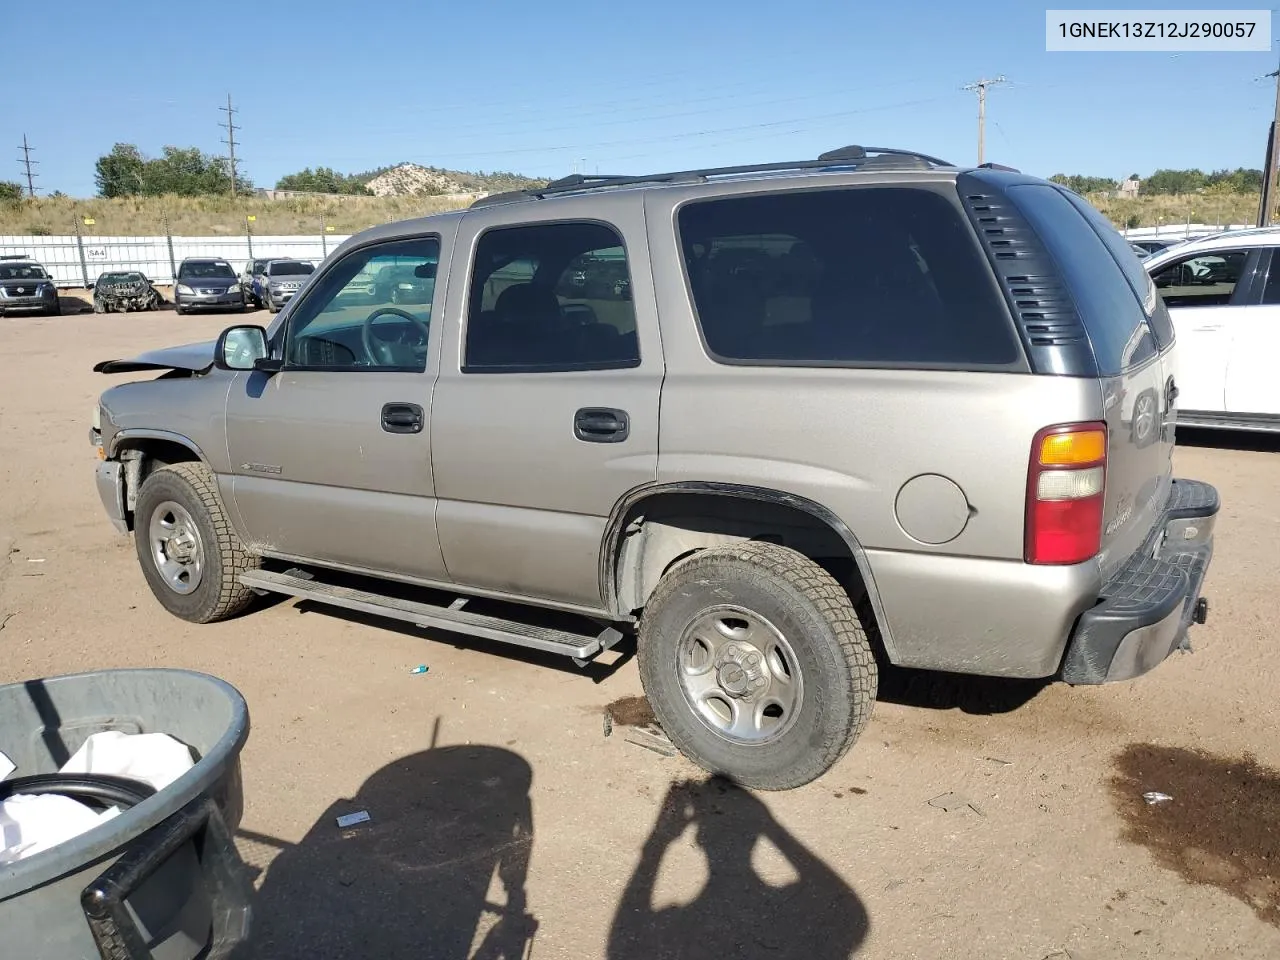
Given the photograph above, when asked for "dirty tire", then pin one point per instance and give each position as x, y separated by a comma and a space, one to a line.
56, 309
812, 611
219, 594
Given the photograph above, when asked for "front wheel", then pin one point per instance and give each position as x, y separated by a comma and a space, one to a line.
191, 557
757, 665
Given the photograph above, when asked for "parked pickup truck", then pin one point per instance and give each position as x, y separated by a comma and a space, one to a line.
861, 409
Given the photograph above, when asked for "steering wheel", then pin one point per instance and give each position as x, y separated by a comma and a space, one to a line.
379, 351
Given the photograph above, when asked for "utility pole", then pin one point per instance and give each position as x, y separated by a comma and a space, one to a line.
27, 162
980, 87
231, 140
1267, 208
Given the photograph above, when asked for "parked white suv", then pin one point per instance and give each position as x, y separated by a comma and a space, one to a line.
1223, 293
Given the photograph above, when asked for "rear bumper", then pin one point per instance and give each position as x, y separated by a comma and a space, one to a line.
1143, 613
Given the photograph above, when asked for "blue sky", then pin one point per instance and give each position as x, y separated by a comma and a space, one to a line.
544, 88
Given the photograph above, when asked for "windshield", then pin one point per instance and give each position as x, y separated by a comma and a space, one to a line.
219, 270
290, 268
121, 277
22, 271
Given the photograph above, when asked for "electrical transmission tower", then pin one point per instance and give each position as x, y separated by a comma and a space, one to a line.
980, 87
230, 111
27, 162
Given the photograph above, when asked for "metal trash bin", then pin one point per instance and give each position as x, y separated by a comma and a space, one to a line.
161, 881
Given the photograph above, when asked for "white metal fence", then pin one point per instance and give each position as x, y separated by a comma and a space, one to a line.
76, 261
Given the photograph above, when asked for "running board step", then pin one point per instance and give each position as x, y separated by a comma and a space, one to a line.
581, 647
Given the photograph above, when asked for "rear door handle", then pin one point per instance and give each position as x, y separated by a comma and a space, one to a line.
601, 425
402, 418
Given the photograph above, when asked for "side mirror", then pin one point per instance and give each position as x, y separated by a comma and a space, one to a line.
240, 348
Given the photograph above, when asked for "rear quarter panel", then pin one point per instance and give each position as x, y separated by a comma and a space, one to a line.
850, 439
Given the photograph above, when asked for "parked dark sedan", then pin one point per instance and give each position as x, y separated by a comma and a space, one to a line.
122, 291
207, 284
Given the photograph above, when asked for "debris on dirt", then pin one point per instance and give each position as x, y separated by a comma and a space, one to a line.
608, 725
419, 669
1155, 796
631, 712
1224, 831
659, 744
858, 791
1003, 763
35, 559
6, 618
351, 819
948, 802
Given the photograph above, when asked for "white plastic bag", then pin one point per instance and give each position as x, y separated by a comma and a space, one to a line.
154, 758
32, 824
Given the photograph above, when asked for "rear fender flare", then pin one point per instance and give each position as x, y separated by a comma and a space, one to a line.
613, 536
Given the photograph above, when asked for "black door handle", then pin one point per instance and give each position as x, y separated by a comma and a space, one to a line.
601, 425
402, 418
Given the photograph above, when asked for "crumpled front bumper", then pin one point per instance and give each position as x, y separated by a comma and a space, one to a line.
1145, 610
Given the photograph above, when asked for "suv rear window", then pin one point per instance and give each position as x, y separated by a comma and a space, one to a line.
1108, 304
869, 276
1152, 303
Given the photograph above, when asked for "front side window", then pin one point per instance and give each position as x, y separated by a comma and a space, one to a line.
351, 320
552, 296
1202, 279
856, 277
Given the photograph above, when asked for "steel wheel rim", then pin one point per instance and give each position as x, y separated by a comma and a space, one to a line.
740, 675
176, 547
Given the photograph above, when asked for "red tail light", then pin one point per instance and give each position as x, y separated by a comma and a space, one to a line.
1066, 486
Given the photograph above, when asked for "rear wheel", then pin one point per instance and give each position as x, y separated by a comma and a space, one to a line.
756, 665
189, 554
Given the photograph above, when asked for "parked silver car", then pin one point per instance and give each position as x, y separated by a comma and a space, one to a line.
870, 407
281, 280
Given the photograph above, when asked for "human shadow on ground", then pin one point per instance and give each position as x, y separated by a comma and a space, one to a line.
414, 881
798, 909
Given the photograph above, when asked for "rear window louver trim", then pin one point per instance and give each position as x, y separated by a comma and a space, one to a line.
1042, 305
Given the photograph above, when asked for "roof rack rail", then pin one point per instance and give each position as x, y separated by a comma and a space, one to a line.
850, 156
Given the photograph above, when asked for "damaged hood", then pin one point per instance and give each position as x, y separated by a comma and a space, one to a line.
196, 357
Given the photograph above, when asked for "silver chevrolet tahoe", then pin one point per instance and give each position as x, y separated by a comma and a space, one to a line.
868, 408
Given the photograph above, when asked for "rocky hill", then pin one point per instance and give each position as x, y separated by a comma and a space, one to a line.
411, 179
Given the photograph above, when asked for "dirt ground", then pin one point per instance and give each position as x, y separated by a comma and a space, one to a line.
506, 824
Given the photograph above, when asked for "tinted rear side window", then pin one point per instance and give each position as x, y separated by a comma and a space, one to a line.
1114, 319
1152, 303
871, 276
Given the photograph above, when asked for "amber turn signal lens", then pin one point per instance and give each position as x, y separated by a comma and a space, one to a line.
1074, 448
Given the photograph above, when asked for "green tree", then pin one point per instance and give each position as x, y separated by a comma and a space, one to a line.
185, 171
10, 192
1174, 182
1083, 185
119, 173
1133, 221
323, 180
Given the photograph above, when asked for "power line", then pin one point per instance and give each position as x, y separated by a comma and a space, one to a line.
980, 87
231, 140
27, 162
